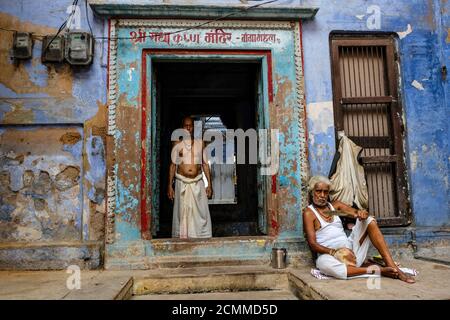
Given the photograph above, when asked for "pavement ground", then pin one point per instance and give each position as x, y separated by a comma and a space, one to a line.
222, 283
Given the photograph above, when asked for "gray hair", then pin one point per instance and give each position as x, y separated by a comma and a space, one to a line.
317, 179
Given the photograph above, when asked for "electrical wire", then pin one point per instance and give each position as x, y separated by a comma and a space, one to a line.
75, 2
74, 6
193, 27
35, 35
87, 16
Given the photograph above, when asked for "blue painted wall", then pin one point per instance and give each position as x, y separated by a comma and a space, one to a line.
422, 53
34, 94
52, 159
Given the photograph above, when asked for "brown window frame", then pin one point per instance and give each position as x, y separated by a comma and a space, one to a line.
401, 197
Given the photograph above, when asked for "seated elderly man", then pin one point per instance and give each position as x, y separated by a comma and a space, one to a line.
338, 255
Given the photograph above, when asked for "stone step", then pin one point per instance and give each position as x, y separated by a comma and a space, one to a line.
210, 261
173, 253
147, 263
238, 246
241, 295
216, 279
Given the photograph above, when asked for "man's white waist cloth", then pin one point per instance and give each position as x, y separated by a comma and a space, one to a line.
191, 217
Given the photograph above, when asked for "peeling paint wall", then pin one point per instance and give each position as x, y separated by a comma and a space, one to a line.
40, 192
285, 111
53, 127
422, 27
52, 144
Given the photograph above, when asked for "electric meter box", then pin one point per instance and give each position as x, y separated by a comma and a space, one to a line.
22, 45
79, 48
52, 49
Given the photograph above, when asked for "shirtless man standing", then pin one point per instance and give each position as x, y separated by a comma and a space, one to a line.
191, 217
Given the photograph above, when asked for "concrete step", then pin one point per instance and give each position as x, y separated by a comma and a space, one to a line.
212, 261
241, 295
226, 246
167, 253
150, 263
437, 254
216, 279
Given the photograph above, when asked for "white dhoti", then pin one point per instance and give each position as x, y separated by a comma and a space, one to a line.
331, 266
191, 218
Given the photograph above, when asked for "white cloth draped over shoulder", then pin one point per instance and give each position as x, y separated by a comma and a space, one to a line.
191, 217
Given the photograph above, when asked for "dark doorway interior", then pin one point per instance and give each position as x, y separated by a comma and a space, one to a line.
226, 92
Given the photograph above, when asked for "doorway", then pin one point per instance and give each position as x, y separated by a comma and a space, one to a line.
222, 95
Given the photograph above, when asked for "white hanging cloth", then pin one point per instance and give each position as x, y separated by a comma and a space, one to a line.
348, 182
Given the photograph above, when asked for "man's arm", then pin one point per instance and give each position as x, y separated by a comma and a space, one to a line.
357, 214
207, 171
172, 169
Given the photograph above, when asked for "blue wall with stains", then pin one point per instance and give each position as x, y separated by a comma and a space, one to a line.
423, 51
128, 139
70, 103
52, 144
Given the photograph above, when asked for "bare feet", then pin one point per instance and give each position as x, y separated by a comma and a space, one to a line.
404, 277
395, 273
389, 272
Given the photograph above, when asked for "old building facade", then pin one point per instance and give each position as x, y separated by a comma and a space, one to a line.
84, 149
